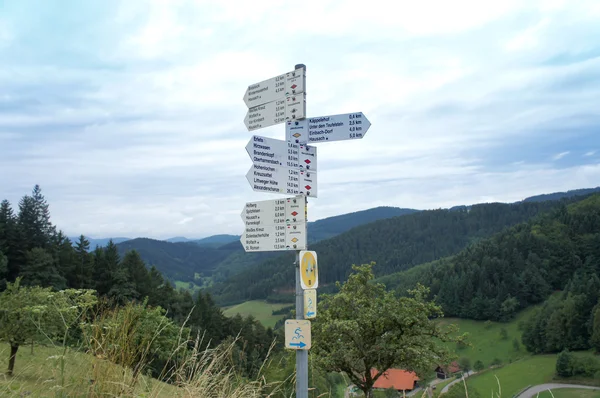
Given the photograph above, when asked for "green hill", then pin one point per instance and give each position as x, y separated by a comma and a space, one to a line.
395, 244
220, 256
519, 267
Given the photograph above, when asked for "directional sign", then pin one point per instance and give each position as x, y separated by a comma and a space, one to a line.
283, 180
291, 107
273, 225
310, 303
350, 126
309, 275
297, 334
275, 88
273, 152
282, 167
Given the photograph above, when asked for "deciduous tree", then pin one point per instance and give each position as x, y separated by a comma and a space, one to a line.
36, 313
364, 328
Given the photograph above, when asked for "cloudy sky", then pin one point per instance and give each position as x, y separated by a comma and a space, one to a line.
129, 114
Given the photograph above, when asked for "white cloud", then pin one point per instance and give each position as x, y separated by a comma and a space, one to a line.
590, 153
561, 155
136, 127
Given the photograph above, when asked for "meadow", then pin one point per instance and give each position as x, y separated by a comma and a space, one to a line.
259, 309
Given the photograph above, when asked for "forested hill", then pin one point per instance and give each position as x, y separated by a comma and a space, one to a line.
218, 257
518, 267
562, 195
394, 244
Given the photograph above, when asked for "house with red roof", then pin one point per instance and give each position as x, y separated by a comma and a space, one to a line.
398, 379
443, 372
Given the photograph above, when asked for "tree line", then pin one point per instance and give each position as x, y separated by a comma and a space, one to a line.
35, 253
395, 244
522, 266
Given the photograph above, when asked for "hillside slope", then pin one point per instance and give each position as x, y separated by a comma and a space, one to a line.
177, 261
394, 244
516, 268
221, 256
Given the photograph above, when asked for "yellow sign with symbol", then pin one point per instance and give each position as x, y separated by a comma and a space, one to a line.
309, 275
310, 303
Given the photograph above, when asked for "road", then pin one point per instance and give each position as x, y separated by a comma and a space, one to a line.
447, 387
552, 386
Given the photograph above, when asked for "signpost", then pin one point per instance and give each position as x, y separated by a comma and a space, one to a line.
273, 225
349, 126
290, 107
282, 167
309, 270
290, 167
275, 88
310, 303
297, 334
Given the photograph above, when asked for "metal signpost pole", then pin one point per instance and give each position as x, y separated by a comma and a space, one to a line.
301, 355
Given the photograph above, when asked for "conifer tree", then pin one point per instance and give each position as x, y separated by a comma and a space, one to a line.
11, 243
83, 264
40, 270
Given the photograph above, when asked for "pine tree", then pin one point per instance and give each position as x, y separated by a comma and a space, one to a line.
138, 273
122, 288
34, 220
44, 225
11, 243
64, 258
40, 270
102, 278
3, 271
83, 264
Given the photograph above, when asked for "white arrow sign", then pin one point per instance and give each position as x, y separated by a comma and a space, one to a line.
292, 107
274, 225
274, 152
275, 88
349, 126
283, 180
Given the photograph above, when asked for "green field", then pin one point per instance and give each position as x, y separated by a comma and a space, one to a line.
38, 374
486, 341
186, 286
570, 393
261, 310
513, 378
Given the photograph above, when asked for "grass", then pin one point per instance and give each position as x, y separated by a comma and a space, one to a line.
186, 286
37, 374
533, 370
570, 393
529, 371
259, 309
486, 342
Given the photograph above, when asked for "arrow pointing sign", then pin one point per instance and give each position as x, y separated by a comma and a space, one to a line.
349, 126
275, 88
297, 334
291, 107
310, 303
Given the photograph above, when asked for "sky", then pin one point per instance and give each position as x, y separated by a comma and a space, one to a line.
129, 114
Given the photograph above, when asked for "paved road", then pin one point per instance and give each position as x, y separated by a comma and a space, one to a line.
447, 387
552, 386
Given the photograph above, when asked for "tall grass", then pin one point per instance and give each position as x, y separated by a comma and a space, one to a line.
116, 357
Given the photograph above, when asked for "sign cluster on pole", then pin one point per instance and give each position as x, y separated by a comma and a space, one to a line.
289, 167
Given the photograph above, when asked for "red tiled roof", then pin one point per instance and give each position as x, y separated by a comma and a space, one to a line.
454, 367
396, 378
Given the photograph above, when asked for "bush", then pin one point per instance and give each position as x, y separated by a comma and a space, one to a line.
516, 345
478, 366
496, 362
503, 334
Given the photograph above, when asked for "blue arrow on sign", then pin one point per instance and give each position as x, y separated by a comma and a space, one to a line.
300, 344
311, 313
